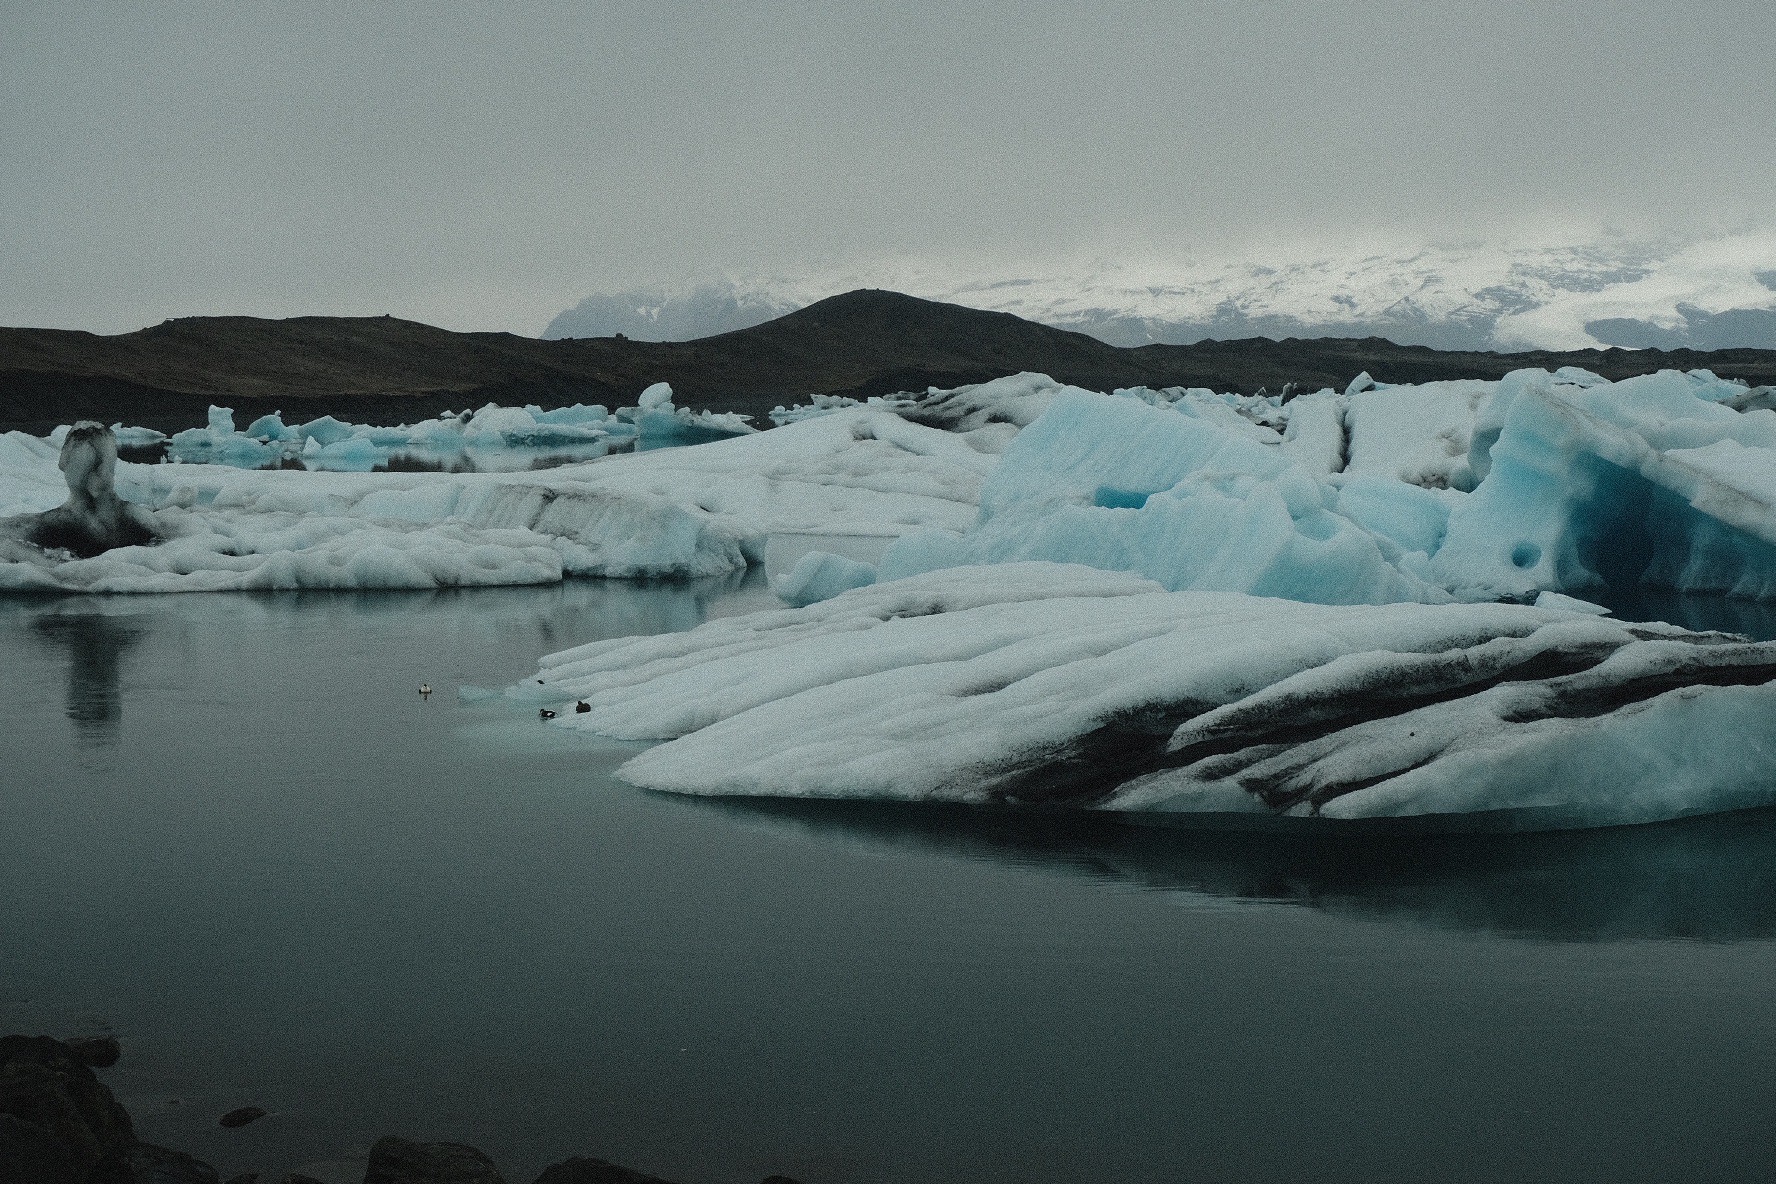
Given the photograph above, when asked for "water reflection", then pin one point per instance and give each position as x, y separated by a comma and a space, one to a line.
406, 458
1755, 618
1709, 879
95, 645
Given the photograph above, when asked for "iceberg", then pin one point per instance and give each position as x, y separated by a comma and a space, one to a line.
1655, 481
1457, 491
675, 513
1067, 686
661, 424
92, 521
1179, 498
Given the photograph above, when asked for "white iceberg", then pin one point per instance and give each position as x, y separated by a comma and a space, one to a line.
674, 513
1035, 683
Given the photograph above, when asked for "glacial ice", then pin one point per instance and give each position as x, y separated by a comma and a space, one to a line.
1158, 602
822, 575
1061, 685
92, 520
1542, 482
491, 437
1123, 485
1587, 485
670, 513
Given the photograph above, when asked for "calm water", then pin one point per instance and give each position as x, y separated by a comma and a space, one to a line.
232, 833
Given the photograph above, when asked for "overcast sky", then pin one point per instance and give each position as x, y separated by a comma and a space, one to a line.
486, 165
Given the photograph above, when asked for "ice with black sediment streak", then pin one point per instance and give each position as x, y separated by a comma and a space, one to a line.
1035, 683
93, 519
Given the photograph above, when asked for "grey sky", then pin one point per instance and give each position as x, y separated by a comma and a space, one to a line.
485, 165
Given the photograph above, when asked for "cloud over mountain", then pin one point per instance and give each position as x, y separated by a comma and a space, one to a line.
1718, 293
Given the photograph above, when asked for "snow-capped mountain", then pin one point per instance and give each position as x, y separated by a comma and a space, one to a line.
1711, 294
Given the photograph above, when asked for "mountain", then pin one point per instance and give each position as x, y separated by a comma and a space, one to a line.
381, 369
1717, 293
657, 315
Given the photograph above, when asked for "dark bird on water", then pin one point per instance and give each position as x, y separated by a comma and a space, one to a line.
546, 713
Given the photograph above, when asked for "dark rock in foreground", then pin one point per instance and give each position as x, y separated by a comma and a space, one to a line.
98, 1052
398, 1161
580, 1170
59, 1124
145, 1163
54, 1100
240, 1116
28, 1152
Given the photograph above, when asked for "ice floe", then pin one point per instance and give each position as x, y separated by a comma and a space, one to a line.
1060, 685
678, 512
1541, 482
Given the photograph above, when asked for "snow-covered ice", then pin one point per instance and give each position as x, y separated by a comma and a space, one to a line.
1360, 496
669, 513
1145, 601
1035, 683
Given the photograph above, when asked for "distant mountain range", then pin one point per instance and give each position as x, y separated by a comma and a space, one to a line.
385, 370
1715, 294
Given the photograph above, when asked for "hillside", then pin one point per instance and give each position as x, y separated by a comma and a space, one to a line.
382, 369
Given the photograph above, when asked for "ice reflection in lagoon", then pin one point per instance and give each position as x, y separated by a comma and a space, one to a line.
1703, 879
235, 833
407, 459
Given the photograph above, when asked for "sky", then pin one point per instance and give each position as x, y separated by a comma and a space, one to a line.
483, 166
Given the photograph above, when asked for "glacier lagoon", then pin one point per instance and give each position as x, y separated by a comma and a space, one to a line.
239, 838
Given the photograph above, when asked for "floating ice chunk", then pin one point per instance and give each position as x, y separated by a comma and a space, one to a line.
354, 454
491, 424
818, 404
1645, 481
657, 397
269, 427
30, 482
1037, 683
221, 421
821, 575
666, 426
1555, 602
326, 430
136, 437
1120, 485
682, 512
579, 414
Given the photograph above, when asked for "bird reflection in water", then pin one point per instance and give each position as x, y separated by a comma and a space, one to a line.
95, 646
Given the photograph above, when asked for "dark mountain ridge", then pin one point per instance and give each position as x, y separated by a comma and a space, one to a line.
387, 370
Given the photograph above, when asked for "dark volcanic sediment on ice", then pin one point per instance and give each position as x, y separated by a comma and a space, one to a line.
386, 370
